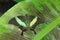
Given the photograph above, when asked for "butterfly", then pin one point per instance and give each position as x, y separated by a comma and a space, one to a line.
20, 21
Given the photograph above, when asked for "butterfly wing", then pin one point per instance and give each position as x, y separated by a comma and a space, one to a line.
40, 21
20, 22
33, 21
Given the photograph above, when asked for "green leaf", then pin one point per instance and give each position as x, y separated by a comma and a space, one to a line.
43, 25
3, 29
46, 30
33, 21
18, 0
49, 37
20, 22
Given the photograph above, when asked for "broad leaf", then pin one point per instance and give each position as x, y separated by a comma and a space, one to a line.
33, 21
20, 22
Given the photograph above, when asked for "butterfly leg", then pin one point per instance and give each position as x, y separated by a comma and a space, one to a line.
23, 32
33, 31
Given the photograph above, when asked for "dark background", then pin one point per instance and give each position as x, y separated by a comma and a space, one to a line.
5, 5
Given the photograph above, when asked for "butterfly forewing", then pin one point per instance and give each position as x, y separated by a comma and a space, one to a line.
20, 22
33, 21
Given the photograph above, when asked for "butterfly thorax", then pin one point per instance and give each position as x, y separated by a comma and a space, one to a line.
28, 28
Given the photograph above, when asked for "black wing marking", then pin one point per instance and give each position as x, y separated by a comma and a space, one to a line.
13, 21
39, 21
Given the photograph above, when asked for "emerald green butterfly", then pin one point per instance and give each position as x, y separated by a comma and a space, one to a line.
24, 25
32, 23
20, 22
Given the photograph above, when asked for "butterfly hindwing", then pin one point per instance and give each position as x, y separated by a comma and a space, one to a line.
20, 22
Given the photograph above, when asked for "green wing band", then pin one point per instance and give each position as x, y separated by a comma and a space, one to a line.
20, 22
33, 21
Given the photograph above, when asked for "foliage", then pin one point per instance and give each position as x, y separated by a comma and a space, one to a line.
50, 9
18, 0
